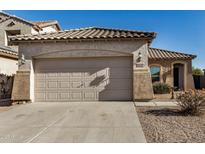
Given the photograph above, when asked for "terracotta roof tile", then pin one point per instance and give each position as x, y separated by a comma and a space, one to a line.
8, 52
86, 33
155, 53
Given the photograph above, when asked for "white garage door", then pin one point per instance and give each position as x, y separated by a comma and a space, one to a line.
83, 79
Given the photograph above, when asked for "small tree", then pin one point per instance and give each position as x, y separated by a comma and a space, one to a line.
191, 102
197, 71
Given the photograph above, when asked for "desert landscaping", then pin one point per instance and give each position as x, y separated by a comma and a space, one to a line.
174, 124
165, 125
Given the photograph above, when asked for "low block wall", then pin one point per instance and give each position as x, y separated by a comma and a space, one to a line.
199, 81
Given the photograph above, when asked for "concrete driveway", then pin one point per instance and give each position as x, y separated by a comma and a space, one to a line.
71, 122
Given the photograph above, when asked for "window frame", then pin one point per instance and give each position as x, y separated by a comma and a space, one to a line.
160, 72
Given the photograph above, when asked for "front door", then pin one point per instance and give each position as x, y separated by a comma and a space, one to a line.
176, 78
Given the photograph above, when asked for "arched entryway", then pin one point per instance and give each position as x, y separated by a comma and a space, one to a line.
179, 76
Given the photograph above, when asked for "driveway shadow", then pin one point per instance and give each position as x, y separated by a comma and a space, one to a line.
164, 112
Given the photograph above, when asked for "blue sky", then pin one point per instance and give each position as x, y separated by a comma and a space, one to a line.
176, 30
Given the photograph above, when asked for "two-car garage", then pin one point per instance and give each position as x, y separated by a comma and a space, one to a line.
87, 64
83, 79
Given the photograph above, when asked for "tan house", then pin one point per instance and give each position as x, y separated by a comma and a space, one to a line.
11, 25
92, 64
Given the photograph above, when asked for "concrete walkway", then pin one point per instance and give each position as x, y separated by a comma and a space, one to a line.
71, 122
157, 103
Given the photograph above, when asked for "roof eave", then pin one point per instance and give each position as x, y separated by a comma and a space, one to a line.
154, 36
7, 55
15, 42
171, 58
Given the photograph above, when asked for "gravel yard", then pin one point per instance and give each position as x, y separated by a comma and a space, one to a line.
166, 125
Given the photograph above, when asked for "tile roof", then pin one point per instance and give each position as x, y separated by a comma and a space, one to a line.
43, 24
8, 52
86, 33
155, 53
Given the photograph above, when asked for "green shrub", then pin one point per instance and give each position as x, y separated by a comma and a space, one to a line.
191, 102
197, 71
161, 88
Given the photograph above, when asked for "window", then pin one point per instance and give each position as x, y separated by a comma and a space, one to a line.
11, 33
155, 73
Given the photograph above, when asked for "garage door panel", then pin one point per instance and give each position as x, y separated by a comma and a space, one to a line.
120, 73
76, 95
41, 96
40, 76
63, 84
40, 84
52, 96
64, 96
76, 74
121, 62
118, 84
52, 84
117, 95
97, 79
76, 84
90, 95
51, 75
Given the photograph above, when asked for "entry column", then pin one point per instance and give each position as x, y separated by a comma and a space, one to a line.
142, 83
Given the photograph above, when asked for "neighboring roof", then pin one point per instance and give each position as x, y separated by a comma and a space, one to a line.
9, 16
86, 33
43, 24
155, 53
8, 52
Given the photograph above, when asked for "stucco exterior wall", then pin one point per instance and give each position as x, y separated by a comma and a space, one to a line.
24, 29
8, 66
166, 71
35, 49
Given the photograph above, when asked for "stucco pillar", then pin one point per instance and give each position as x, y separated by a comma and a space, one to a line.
142, 83
22, 86
21, 89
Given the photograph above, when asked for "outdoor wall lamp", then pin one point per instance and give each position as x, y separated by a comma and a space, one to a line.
22, 60
139, 57
139, 62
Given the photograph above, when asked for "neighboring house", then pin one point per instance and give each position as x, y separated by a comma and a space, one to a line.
8, 60
92, 64
48, 26
11, 25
